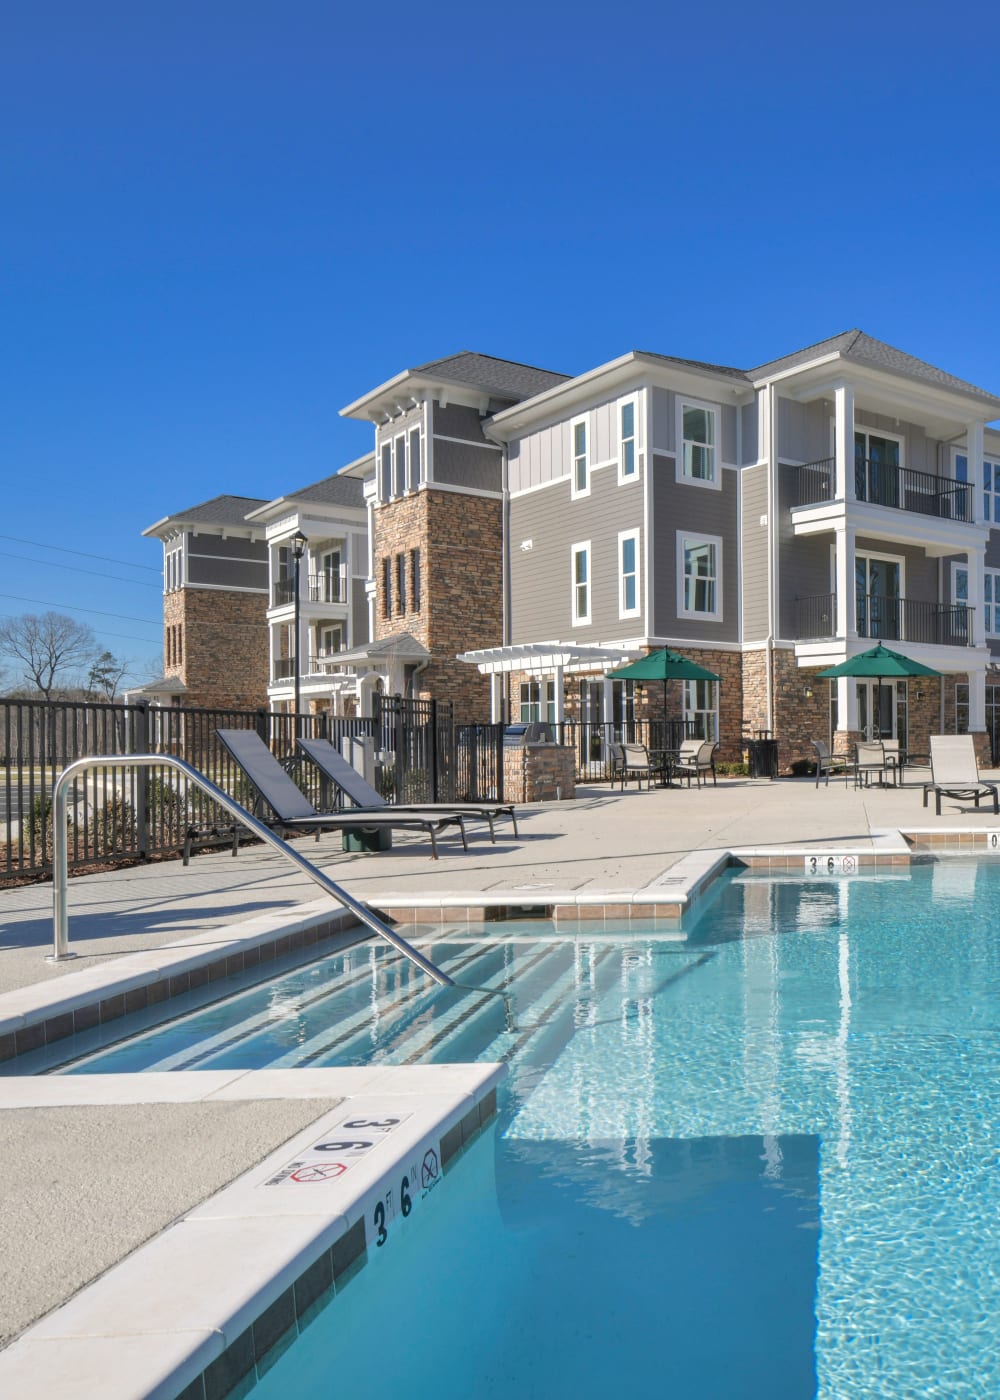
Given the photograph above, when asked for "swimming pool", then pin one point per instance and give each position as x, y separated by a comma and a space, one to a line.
758, 1157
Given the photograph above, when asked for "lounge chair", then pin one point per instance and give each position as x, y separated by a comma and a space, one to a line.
294, 812
955, 772
827, 762
633, 762
696, 759
334, 765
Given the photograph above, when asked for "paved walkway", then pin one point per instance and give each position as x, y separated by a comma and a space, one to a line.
603, 842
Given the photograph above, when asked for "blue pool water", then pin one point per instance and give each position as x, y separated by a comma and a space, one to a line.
758, 1158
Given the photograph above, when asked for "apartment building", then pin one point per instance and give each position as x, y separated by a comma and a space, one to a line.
436, 522
214, 606
769, 523
317, 614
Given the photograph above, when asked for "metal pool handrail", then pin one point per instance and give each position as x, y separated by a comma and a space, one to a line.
60, 815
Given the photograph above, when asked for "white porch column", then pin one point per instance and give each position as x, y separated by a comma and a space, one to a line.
496, 697
560, 698
847, 703
975, 567
977, 702
974, 451
843, 411
847, 613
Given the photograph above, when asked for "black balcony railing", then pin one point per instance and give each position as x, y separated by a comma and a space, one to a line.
325, 659
327, 588
888, 620
882, 484
282, 591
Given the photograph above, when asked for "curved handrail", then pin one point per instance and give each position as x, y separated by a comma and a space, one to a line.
60, 814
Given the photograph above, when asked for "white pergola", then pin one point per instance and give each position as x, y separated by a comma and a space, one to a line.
555, 659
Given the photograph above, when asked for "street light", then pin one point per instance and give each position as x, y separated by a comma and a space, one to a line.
299, 543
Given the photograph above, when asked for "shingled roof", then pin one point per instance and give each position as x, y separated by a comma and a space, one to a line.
855, 345
332, 490
220, 510
506, 378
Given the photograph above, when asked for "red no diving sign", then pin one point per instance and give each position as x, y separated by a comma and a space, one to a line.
319, 1171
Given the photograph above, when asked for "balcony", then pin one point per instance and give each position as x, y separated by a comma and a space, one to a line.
326, 659
920, 493
888, 620
282, 592
327, 588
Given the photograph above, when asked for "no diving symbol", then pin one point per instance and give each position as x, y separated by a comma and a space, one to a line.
428, 1168
850, 865
320, 1171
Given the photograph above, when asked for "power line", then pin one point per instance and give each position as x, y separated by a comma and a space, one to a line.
120, 636
94, 573
105, 558
125, 617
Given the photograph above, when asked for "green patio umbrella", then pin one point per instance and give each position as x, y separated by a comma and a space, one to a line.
878, 663
663, 665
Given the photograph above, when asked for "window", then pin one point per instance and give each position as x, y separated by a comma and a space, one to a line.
581, 582
415, 579
385, 473
701, 710
991, 491
387, 587
531, 702
991, 602
331, 640
399, 475
581, 476
960, 598
699, 433
627, 468
877, 460
414, 477
628, 574
401, 583
699, 567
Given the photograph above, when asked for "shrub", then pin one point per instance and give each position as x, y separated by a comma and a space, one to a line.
113, 827
733, 770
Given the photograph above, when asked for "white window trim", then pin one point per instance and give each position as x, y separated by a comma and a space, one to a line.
413, 478
623, 611
623, 476
686, 537
955, 570
994, 494
687, 712
575, 492
583, 547
882, 558
399, 482
714, 483
870, 432
991, 609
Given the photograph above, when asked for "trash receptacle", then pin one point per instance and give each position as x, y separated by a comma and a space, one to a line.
762, 754
373, 838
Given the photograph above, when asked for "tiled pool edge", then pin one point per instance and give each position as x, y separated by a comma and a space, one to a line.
47, 1012
219, 1346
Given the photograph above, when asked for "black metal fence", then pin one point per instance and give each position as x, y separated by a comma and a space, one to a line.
416, 752
889, 619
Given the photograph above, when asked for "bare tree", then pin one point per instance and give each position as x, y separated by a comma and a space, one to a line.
47, 646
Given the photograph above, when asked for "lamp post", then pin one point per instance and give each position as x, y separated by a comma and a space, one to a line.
299, 543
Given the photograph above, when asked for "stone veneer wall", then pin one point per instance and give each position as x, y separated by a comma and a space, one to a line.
539, 773
460, 539
224, 649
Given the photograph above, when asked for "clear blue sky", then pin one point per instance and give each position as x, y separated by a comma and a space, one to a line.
223, 221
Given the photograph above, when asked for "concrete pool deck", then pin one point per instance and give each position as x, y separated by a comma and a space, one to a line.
607, 848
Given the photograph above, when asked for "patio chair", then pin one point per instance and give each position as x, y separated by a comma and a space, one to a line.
352, 785
869, 758
635, 763
955, 772
696, 759
294, 812
827, 762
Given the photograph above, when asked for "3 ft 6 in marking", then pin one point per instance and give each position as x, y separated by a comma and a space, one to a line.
379, 1216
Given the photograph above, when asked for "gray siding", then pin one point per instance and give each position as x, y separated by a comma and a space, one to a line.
755, 537
459, 421
545, 456
679, 506
750, 435
665, 420
540, 580
218, 548
804, 430
458, 464
227, 573
359, 613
